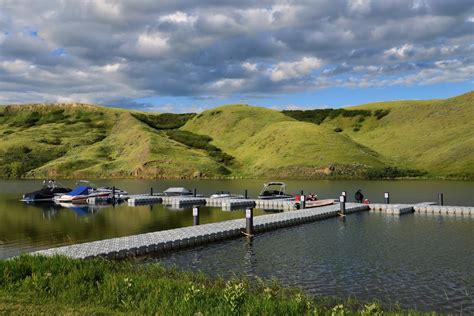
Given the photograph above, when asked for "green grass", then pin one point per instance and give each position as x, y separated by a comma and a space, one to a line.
58, 285
432, 138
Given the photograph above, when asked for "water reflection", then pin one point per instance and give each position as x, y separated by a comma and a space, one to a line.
416, 261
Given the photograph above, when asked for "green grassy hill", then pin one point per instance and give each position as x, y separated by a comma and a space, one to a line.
434, 138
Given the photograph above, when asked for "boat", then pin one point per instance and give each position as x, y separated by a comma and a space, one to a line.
111, 190
178, 191
226, 195
274, 190
49, 190
85, 190
317, 203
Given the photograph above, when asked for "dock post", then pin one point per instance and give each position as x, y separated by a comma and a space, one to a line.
246, 194
249, 221
344, 194
302, 199
342, 205
113, 195
151, 191
440, 199
195, 215
194, 192
386, 196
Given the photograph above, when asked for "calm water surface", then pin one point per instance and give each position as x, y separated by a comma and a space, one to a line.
418, 261
414, 261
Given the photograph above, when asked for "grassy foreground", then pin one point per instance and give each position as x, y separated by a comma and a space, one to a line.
58, 285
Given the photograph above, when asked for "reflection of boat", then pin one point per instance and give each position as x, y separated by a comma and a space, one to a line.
226, 195
274, 190
49, 190
82, 209
178, 191
86, 190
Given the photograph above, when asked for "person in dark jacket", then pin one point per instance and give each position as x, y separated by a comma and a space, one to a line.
359, 197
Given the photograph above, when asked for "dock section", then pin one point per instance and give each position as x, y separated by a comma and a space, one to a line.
161, 241
423, 208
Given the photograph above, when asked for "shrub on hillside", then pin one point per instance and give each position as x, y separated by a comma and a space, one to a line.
200, 142
338, 130
164, 121
392, 172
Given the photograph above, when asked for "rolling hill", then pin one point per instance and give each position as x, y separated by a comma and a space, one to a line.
433, 138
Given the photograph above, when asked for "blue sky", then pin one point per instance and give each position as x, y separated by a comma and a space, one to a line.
188, 56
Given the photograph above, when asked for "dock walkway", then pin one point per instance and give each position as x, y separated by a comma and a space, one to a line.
184, 237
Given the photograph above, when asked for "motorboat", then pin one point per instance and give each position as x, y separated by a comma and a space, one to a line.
86, 190
226, 195
178, 191
274, 190
80, 194
49, 190
111, 190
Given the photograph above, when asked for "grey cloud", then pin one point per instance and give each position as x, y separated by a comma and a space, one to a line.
120, 50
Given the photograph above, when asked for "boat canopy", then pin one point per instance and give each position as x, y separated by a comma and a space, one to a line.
177, 190
80, 190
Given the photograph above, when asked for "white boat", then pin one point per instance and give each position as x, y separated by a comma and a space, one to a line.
226, 195
274, 190
179, 191
85, 190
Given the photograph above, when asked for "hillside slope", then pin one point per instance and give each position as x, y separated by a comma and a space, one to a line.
80, 141
267, 143
434, 138
433, 135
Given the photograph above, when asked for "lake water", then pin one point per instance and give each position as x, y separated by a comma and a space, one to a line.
418, 261
415, 261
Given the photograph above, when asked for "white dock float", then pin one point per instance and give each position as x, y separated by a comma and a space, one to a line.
423, 208
162, 241
444, 210
394, 209
181, 201
144, 199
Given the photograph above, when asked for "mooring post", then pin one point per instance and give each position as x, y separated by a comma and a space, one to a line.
151, 191
194, 192
249, 221
386, 196
195, 215
440, 199
344, 194
113, 195
342, 205
302, 200
246, 194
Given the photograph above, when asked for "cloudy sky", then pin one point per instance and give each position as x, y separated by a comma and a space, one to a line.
190, 55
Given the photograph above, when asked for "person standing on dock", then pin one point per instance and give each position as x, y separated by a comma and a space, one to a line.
359, 197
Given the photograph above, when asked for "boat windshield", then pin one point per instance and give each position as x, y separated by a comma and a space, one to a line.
85, 183
273, 188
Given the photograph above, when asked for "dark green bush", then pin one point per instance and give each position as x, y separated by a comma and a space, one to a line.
200, 142
392, 172
381, 113
16, 161
338, 129
164, 121
319, 115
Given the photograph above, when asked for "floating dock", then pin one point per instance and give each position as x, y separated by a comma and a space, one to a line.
178, 238
426, 208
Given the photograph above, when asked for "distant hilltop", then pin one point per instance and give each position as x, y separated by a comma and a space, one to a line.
430, 138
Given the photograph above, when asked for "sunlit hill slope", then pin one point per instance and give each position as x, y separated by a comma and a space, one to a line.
432, 138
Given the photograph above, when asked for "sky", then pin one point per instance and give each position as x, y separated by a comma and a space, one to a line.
188, 56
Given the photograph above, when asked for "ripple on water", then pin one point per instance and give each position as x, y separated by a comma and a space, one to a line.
417, 262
